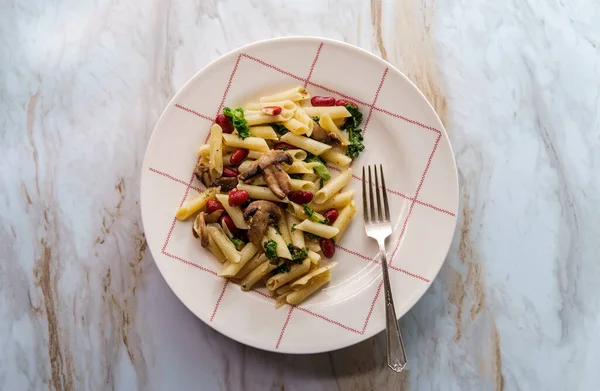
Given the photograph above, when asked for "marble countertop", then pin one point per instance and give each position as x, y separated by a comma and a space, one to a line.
82, 304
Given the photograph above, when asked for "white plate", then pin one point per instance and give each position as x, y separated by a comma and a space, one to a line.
402, 132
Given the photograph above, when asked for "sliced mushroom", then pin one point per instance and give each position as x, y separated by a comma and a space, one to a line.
321, 135
270, 166
199, 229
226, 183
261, 213
202, 172
214, 216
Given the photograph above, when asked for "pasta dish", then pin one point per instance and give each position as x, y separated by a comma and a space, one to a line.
273, 210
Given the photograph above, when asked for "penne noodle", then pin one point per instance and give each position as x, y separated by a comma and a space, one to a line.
282, 249
260, 193
216, 151
332, 187
336, 157
297, 167
339, 121
281, 300
299, 184
254, 154
297, 154
251, 265
322, 230
204, 150
327, 125
255, 275
305, 279
259, 118
341, 223
280, 279
235, 212
299, 296
295, 126
308, 144
193, 206
311, 177
224, 243
284, 230
230, 269
313, 245
265, 132
214, 248
334, 112
337, 201
284, 104
294, 94
252, 143
314, 257
283, 289
244, 165
296, 236
298, 211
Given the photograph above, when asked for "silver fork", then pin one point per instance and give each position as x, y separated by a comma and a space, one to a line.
378, 226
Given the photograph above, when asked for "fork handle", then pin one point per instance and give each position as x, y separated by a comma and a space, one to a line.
396, 355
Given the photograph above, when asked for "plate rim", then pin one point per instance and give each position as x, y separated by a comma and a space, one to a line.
296, 38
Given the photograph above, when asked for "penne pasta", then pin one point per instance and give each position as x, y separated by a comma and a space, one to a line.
308, 144
265, 132
305, 279
297, 167
295, 126
193, 206
322, 230
230, 269
254, 154
343, 219
294, 94
252, 143
260, 193
224, 243
313, 245
256, 275
332, 187
251, 265
298, 211
215, 163
204, 150
282, 249
244, 165
284, 230
314, 257
327, 125
299, 296
214, 248
296, 236
297, 154
336, 157
235, 212
283, 278
299, 184
339, 200
334, 112
259, 118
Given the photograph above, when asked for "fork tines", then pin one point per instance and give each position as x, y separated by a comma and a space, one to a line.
370, 213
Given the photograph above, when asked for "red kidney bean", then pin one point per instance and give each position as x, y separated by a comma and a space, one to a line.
342, 102
237, 156
225, 219
331, 215
224, 123
237, 197
271, 110
300, 196
230, 172
327, 246
284, 146
322, 101
213, 205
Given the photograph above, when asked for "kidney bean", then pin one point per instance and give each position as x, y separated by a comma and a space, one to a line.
284, 146
213, 205
225, 219
328, 247
322, 101
237, 156
271, 110
230, 172
224, 123
342, 102
331, 215
300, 196
237, 197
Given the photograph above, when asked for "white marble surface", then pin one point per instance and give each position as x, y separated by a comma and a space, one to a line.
82, 305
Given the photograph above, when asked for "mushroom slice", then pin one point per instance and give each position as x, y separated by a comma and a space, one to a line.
278, 180
214, 216
202, 172
226, 183
261, 213
274, 156
199, 229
